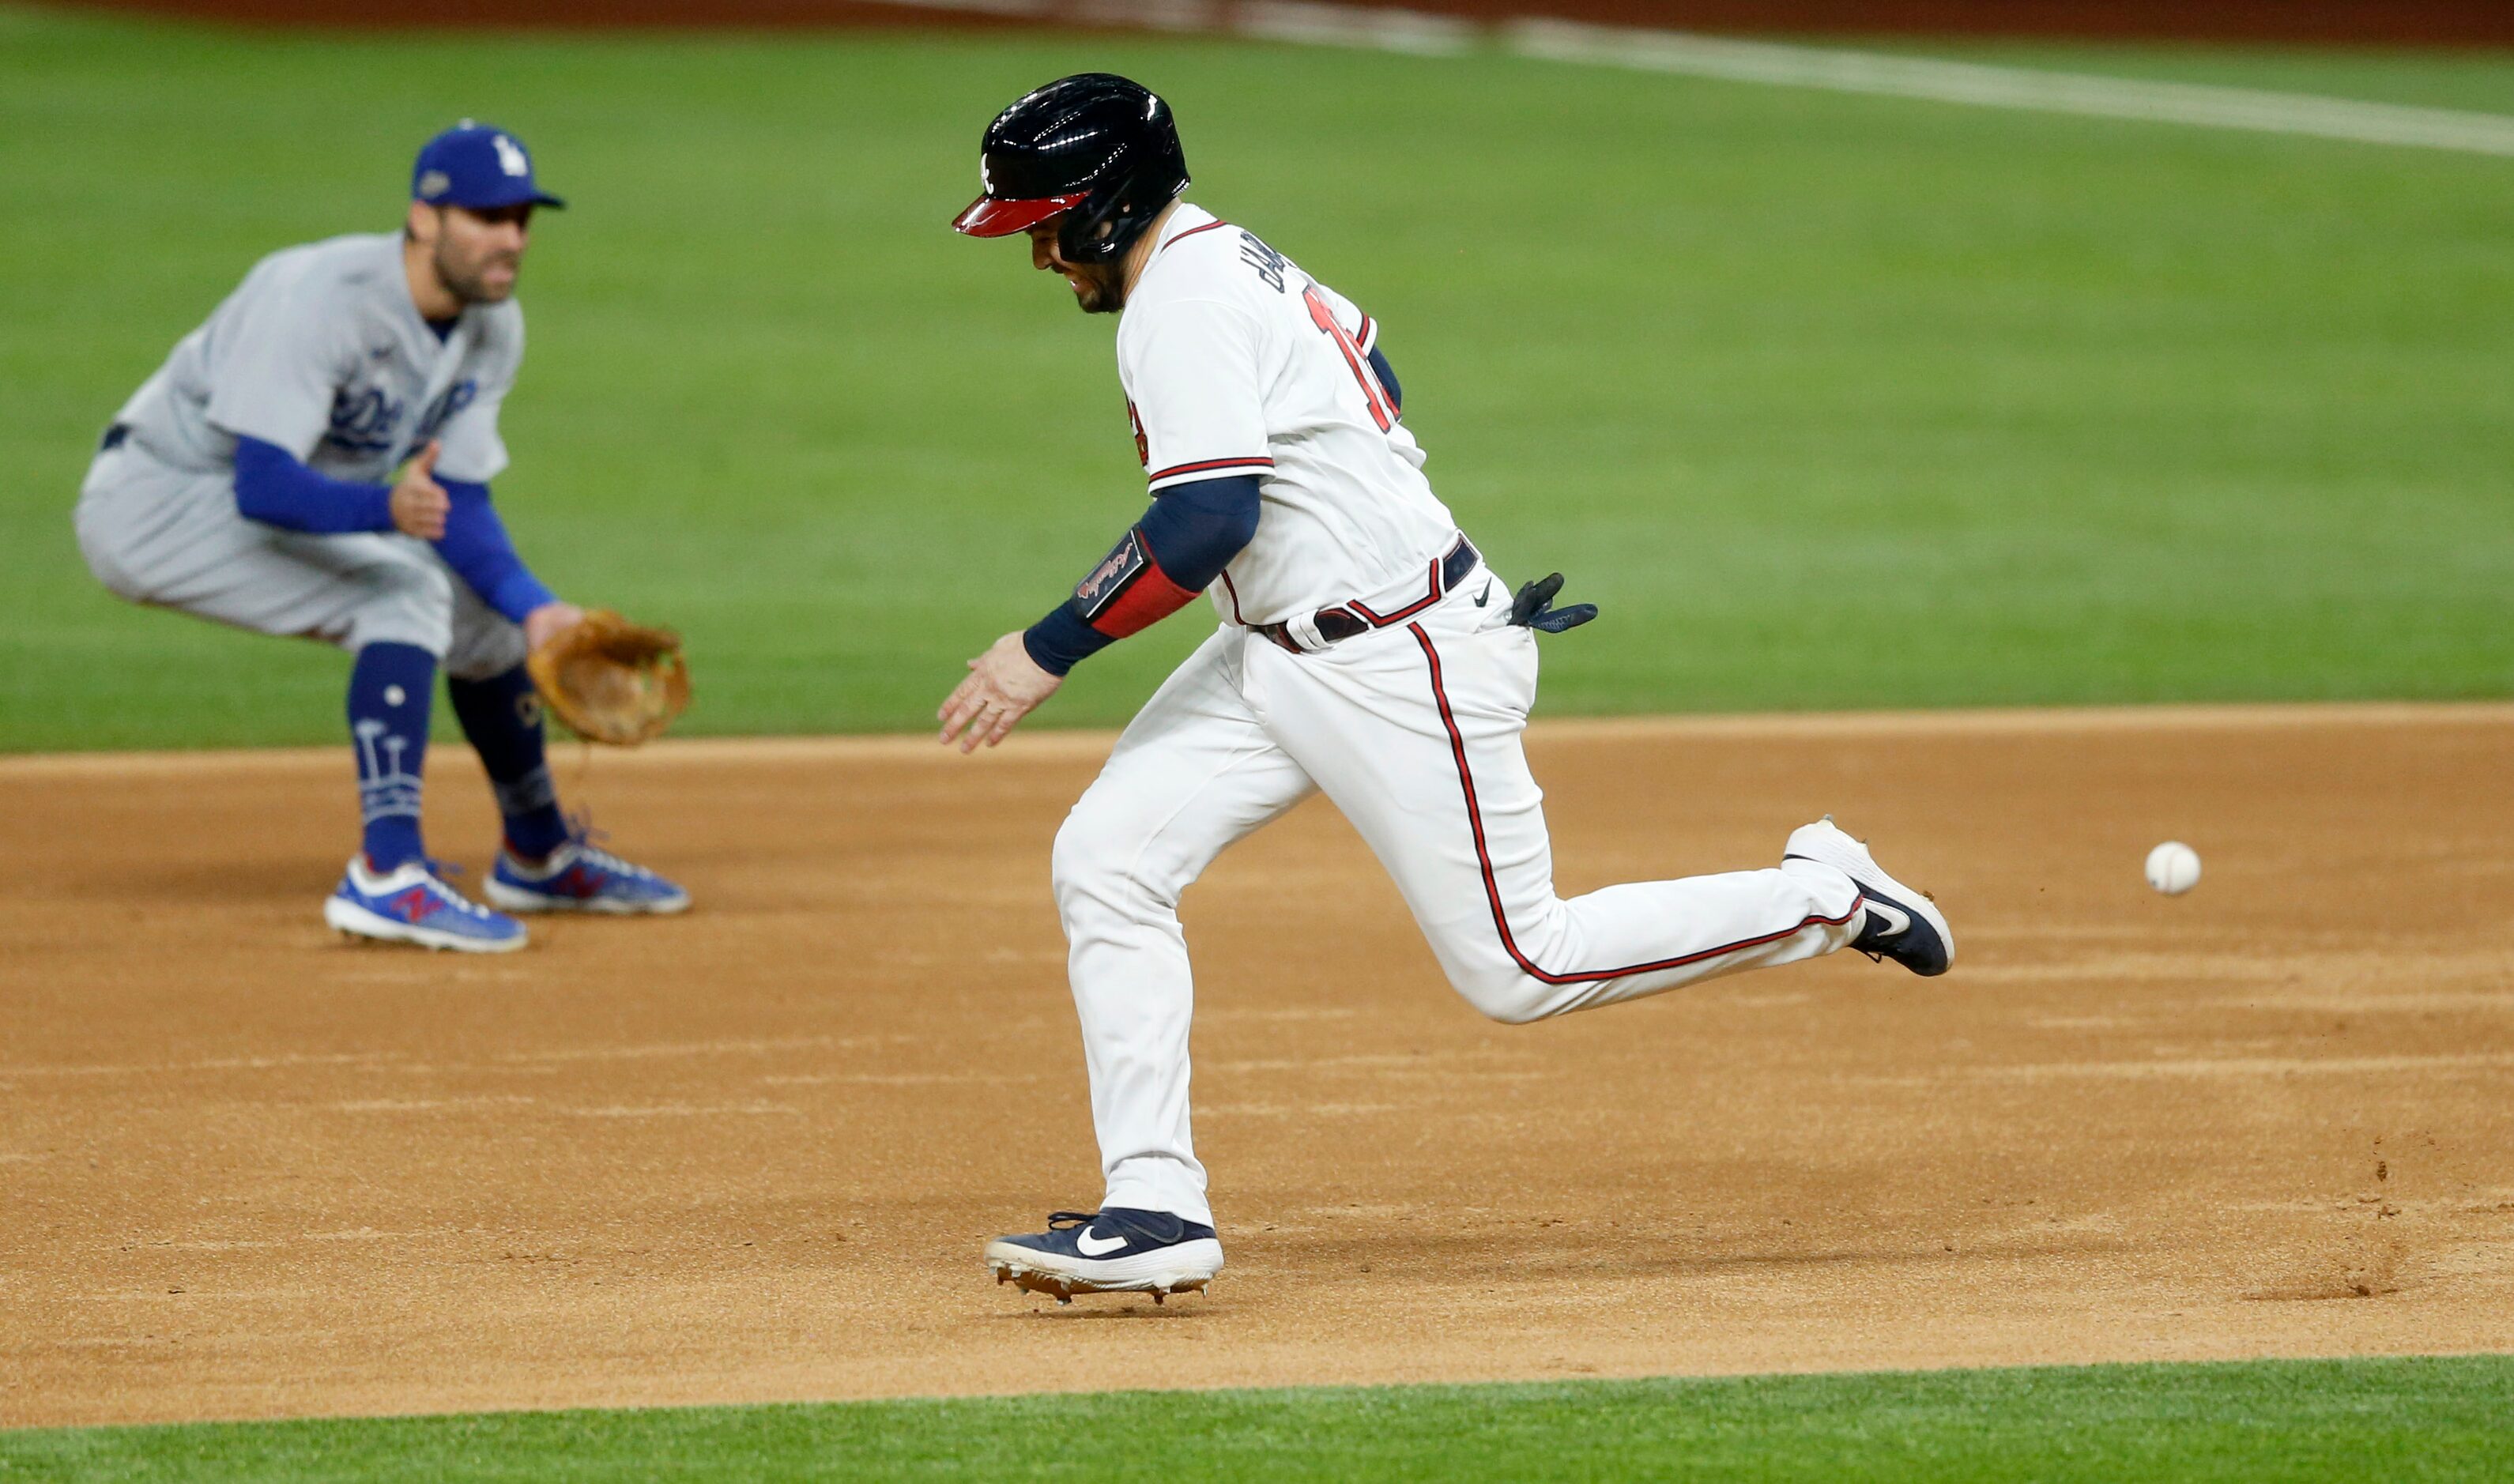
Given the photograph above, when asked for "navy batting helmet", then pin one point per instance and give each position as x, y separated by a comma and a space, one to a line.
1099, 151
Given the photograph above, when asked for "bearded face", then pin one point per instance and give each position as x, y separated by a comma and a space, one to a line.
1099, 288
478, 255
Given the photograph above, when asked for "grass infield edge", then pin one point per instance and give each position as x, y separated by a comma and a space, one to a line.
2416, 1416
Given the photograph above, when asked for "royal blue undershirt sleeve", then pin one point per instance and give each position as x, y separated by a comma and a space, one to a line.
476, 546
1193, 531
274, 487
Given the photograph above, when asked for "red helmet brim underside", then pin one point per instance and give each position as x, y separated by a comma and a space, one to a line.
989, 217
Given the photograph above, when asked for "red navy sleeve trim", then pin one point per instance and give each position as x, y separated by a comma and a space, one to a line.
1207, 468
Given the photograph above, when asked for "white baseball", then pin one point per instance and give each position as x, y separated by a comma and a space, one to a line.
2173, 867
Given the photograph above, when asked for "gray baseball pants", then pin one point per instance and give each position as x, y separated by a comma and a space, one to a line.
172, 537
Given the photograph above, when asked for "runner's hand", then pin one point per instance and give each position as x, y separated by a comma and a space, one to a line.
1004, 685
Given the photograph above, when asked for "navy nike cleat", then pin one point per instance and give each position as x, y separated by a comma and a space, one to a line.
1902, 924
1116, 1251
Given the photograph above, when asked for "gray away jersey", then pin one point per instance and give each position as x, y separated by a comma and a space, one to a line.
321, 353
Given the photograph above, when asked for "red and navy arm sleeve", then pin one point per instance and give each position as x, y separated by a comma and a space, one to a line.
1191, 533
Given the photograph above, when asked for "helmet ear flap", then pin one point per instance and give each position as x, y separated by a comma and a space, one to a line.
1108, 221
1101, 227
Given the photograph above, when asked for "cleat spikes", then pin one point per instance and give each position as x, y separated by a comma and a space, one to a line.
1168, 1256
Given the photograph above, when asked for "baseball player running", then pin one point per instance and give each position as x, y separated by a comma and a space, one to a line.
1365, 649
252, 480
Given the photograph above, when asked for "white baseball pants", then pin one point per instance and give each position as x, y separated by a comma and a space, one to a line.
1413, 729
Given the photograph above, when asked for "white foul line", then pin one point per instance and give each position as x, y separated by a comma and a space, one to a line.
1354, 26
1957, 82
1390, 30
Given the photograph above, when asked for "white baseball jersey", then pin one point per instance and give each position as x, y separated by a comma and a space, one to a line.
321, 352
1236, 362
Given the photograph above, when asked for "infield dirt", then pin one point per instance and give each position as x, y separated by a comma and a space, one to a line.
752, 1153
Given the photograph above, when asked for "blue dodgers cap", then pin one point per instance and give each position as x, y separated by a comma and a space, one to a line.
478, 167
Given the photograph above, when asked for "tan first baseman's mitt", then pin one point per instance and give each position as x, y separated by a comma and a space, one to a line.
613, 681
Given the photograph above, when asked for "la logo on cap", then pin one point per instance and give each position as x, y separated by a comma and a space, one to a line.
511, 156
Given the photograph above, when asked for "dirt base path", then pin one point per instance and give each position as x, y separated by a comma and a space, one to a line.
752, 1153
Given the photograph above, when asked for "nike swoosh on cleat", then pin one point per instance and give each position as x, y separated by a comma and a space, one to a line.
1893, 923
1097, 1247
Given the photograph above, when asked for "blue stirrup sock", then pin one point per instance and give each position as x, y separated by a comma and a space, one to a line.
502, 716
391, 687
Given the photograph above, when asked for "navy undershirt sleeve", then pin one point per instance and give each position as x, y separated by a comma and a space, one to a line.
1193, 531
274, 486
475, 544
1062, 640
1387, 374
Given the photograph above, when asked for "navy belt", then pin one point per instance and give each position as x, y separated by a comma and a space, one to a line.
114, 437
1353, 618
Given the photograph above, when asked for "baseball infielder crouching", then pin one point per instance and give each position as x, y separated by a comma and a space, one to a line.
1364, 650
252, 481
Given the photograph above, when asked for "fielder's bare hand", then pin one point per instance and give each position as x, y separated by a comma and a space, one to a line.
1004, 685
549, 622
419, 503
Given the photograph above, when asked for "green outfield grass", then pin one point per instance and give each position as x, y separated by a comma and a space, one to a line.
2389, 1419
1830, 401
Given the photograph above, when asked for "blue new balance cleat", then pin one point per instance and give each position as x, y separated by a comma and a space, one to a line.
1899, 923
410, 905
580, 876
1116, 1251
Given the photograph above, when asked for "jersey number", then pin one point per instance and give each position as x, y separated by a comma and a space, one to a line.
1371, 392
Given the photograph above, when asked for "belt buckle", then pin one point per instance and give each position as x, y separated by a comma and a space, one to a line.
1355, 625
1303, 631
